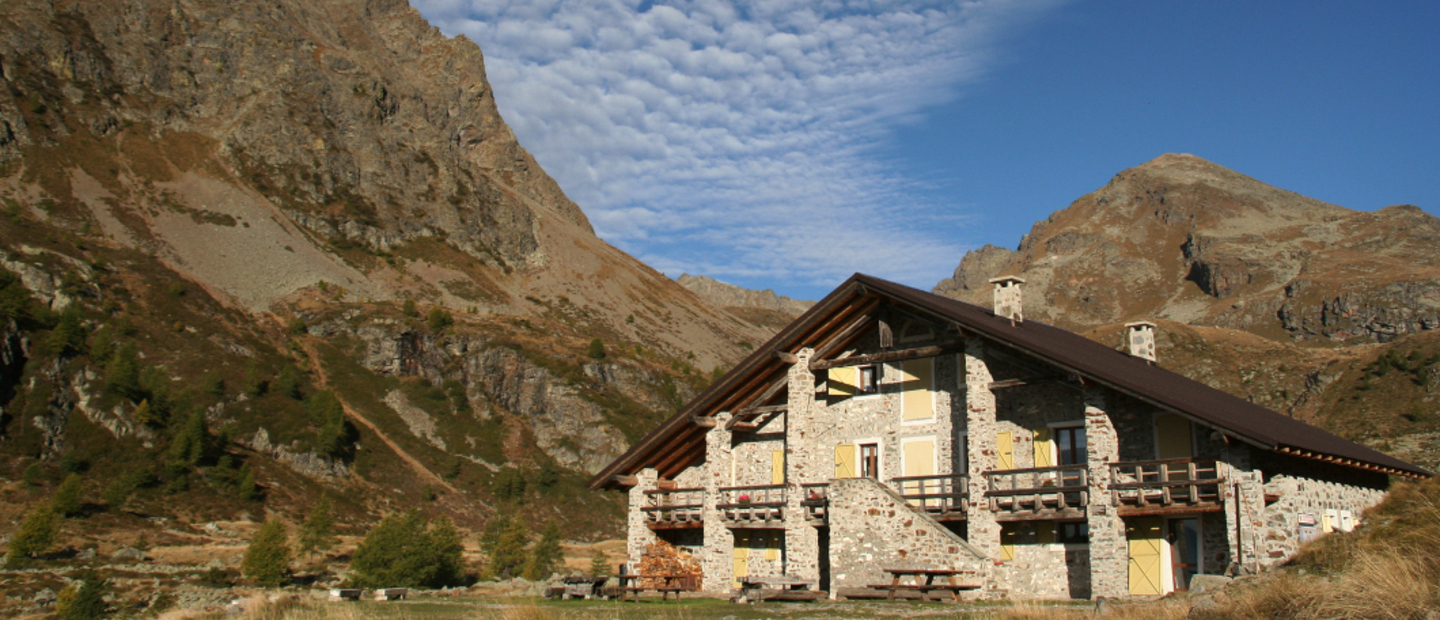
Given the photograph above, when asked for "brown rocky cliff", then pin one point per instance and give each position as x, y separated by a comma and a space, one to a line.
1187, 240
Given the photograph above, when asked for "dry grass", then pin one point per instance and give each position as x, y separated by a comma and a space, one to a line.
1156, 610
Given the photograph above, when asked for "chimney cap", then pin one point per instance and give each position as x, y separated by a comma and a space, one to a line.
1002, 279
1134, 324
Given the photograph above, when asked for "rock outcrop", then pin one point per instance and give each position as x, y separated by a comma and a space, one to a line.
728, 295
1184, 239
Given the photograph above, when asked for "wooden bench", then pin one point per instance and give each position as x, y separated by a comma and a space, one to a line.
953, 587
761, 588
668, 583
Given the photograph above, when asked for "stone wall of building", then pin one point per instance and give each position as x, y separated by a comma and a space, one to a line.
1280, 532
1043, 568
872, 528
638, 533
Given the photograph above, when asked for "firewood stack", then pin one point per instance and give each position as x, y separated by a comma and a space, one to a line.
663, 558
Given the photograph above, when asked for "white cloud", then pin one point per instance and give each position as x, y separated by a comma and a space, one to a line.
737, 139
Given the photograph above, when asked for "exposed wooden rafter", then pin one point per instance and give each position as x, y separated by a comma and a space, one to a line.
879, 358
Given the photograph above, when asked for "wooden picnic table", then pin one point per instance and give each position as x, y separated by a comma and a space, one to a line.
753, 588
668, 583
952, 585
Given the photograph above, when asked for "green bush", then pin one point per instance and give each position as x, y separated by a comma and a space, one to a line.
439, 319
408, 308
597, 349
406, 551
267, 559
290, 382
32, 474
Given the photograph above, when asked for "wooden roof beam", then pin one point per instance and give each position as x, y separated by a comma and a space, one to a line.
878, 358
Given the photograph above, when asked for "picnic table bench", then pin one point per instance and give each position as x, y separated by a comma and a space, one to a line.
952, 585
631, 583
759, 588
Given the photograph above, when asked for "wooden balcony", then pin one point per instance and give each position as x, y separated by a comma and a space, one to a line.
945, 497
1166, 486
816, 503
671, 509
1038, 493
753, 506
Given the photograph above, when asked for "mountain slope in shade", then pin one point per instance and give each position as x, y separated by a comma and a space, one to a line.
1183, 239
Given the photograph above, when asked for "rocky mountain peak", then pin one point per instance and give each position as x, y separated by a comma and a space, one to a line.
1185, 239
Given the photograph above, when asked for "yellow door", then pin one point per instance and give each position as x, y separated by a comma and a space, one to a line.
1146, 576
1044, 448
777, 467
842, 382
1004, 450
742, 555
1008, 537
773, 542
917, 401
919, 460
845, 461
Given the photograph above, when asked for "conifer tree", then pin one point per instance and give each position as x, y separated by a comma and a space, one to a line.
68, 337
599, 563
546, 556
85, 601
504, 542
318, 531
247, 488
267, 559
68, 498
122, 374
289, 382
36, 534
403, 552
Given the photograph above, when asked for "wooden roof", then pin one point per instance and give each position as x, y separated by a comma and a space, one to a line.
848, 312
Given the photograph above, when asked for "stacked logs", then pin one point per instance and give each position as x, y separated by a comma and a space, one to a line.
663, 558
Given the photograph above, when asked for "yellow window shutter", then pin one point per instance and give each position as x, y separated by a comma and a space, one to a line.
843, 382
1045, 532
917, 400
772, 546
1173, 433
1044, 448
777, 467
1008, 537
1004, 450
845, 460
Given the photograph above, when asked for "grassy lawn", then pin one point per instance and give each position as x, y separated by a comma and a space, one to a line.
467, 608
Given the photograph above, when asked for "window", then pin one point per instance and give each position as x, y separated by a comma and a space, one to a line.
870, 460
1078, 532
868, 379
1070, 443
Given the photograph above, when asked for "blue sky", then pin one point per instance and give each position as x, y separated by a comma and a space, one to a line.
786, 144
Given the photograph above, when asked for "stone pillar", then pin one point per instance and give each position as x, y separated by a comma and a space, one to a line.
1109, 551
717, 556
982, 528
638, 533
804, 464
1244, 509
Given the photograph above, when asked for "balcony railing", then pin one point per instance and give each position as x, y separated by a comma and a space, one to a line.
753, 506
946, 495
674, 508
816, 502
1166, 483
1038, 492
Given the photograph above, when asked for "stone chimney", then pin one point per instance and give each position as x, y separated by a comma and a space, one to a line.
1007, 298
1141, 335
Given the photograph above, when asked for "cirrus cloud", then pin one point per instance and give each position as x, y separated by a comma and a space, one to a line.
738, 140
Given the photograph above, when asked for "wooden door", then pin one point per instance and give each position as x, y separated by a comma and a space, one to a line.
1146, 556
742, 555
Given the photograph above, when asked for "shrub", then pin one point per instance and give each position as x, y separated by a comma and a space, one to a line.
290, 383
298, 327
267, 559
439, 319
32, 474
68, 498
36, 534
406, 551
597, 349
408, 308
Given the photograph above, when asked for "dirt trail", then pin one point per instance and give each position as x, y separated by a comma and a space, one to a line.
323, 380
